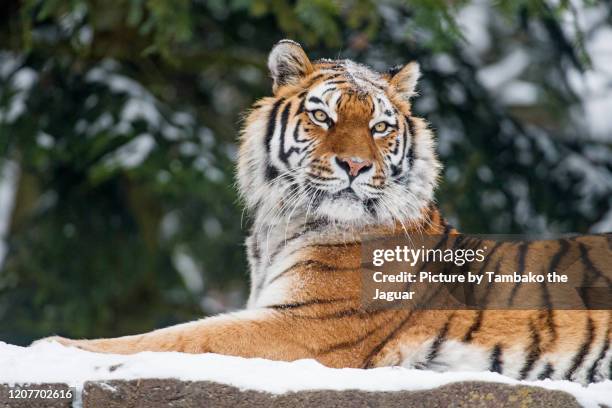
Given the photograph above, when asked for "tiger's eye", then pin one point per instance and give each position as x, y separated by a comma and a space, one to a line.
380, 127
320, 115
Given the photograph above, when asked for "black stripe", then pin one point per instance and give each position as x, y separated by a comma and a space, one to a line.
337, 82
311, 263
271, 126
489, 256
271, 171
279, 248
411, 125
474, 327
368, 360
335, 245
495, 359
314, 225
439, 340
333, 88
339, 101
583, 351
321, 178
301, 106
372, 83
558, 256
395, 171
284, 119
534, 351
545, 295
410, 153
398, 169
357, 312
554, 264
552, 326
352, 343
311, 302
590, 266
371, 204
296, 134
485, 298
312, 80
547, 372
522, 254
314, 99
254, 248
604, 349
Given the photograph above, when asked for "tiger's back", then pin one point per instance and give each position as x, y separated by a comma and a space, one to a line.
318, 285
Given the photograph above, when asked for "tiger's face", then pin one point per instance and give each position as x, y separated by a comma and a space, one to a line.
336, 143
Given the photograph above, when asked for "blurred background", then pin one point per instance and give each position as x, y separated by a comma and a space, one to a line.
119, 119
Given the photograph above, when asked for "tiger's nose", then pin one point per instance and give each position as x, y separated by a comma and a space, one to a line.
353, 165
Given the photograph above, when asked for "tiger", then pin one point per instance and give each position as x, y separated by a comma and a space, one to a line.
335, 155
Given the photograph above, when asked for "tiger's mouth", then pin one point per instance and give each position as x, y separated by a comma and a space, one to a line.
346, 193
343, 206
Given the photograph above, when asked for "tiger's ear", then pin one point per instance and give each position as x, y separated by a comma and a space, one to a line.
404, 79
288, 64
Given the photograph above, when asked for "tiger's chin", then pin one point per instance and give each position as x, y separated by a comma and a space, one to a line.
345, 210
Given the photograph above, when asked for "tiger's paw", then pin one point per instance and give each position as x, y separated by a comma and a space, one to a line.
63, 341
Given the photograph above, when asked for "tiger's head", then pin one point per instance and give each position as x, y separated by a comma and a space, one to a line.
337, 143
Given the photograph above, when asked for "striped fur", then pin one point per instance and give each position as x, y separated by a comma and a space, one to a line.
316, 185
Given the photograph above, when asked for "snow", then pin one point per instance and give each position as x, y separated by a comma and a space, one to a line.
496, 75
132, 154
518, 93
595, 85
9, 176
604, 224
20, 81
140, 103
189, 270
595, 179
135, 109
51, 362
473, 21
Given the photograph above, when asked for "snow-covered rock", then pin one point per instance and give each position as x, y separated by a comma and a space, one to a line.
53, 363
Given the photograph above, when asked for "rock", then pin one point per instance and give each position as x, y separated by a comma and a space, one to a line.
155, 393
173, 393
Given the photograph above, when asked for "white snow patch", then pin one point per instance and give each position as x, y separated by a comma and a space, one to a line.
9, 62
44, 140
9, 176
473, 20
189, 270
135, 109
133, 153
519, 93
604, 224
105, 74
39, 363
24, 79
21, 83
496, 75
595, 85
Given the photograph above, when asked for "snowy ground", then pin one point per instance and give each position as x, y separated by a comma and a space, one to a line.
51, 362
